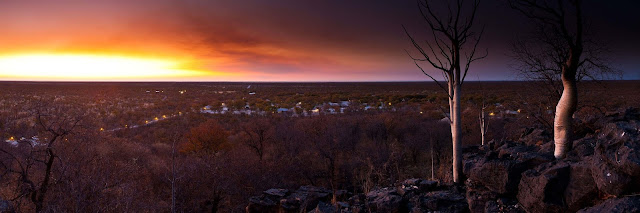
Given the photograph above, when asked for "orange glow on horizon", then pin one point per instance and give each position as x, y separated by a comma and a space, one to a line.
63, 66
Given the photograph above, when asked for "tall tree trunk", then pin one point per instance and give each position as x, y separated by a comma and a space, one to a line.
563, 122
456, 136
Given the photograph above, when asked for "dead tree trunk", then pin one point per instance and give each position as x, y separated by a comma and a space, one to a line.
450, 34
484, 125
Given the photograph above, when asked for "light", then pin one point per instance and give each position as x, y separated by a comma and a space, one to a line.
155, 119
101, 129
492, 114
164, 116
89, 67
389, 103
420, 112
146, 122
11, 138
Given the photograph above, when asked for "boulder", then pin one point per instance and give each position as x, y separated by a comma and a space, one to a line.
542, 189
533, 136
442, 201
275, 194
478, 196
501, 176
581, 148
385, 200
615, 205
582, 190
422, 185
261, 204
6, 207
616, 161
607, 178
324, 208
306, 198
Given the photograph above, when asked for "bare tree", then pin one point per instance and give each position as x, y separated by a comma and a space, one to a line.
451, 35
559, 52
33, 166
484, 124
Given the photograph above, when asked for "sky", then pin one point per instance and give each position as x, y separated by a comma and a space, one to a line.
257, 40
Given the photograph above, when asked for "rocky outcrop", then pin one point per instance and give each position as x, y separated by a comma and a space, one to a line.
600, 174
616, 205
542, 189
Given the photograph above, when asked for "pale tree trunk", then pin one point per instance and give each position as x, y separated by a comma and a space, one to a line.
563, 122
483, 123
456, 135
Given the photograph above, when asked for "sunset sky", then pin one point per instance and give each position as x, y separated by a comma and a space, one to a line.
257, 40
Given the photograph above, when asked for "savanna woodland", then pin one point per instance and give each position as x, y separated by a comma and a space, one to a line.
298, 106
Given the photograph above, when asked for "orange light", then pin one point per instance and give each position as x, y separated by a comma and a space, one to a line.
101, 129
90, 67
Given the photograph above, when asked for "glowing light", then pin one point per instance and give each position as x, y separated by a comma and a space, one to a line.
89, 67
492, 114
155, 119
164, 116
11, 138
101, 129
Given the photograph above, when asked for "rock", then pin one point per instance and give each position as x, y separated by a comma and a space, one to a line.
324, 208
582, 190
620, 143
510, 150
607, 179
542, 189
478, 196
261, 204
501, 176
443, 201
306, 197
581, 148
533, 136
384, 200
490, 206
422, 185
6, 207
615, 205
276, 194
531, 159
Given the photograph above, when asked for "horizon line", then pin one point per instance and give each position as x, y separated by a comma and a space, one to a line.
398, 81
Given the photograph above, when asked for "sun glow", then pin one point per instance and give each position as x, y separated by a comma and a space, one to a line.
91, 67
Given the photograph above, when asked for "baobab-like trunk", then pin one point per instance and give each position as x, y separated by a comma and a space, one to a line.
563, 122
456, 130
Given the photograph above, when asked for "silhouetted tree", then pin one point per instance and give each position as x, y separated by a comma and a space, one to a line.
451, 35
32, 167
559, 52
